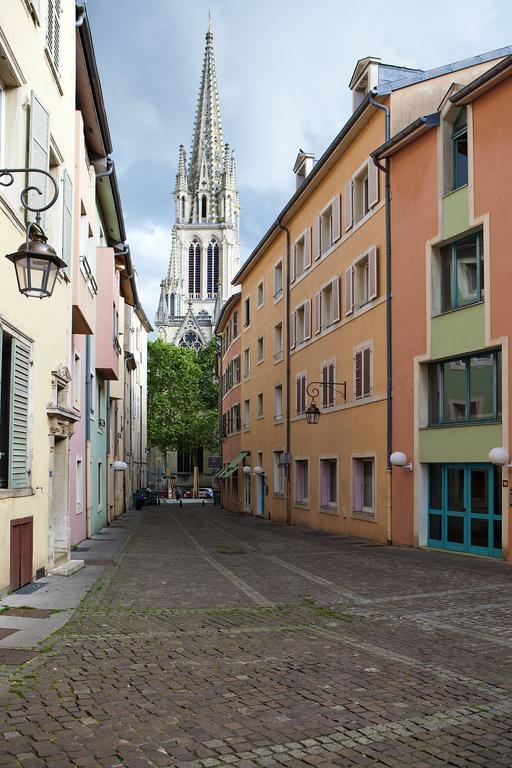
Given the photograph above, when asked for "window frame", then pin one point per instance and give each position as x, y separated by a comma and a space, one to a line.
360, 349
278, 292
449, 251
323, 461
278, 353
303, 500
260, 412
260, 290
456, 136
278, 416
260, 350
302, 375
365, 512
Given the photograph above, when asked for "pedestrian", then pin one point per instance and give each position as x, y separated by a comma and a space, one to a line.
178, 493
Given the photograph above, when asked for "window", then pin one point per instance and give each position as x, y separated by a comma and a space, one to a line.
361, 281
462, 273
184, 463
212, 268
460, 149
361, 198
247, 312
328, 379
236, 370
53, 31
194, 269
278, 403
261, 295
235, 418
328, 227
327, 303
259, 406
301, 481
99, 404
247, 415
235, 324
466, 389
77, 381
362, 372
302, 322
204, 207
14, 409
302, 254
261, 351
361, 193
277, 474
278, 342
247, 363
363, 486
328, 482
300, 393
92, 392
278, 281
79, 487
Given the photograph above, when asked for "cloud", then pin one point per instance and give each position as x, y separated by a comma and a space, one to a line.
150, 249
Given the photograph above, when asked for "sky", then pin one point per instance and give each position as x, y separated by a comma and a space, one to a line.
283, 68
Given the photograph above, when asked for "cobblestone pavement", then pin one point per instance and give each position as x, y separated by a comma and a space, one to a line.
217, 639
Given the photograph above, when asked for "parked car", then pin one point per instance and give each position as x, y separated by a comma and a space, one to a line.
188, 494
206, 493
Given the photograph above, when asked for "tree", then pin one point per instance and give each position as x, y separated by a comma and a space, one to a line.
182, 398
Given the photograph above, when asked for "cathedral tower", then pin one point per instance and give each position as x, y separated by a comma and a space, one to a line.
205, 242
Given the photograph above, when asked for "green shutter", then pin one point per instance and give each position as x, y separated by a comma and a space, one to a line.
67, 220
18, 428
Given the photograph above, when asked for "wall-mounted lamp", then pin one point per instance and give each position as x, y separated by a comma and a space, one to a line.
247, 470
500, 457
119, 466
399, 459
313, 390
259, 470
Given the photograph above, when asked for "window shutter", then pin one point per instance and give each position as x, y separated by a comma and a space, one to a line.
349, 290
372, 273
307, 248
367, 373
335, 299
292, 263
292, 330
18, 416
307, 319
325, 397
38, 154
336, 216
331, 378
347, 206
318, 250
357, 493
373, 183
358, 375
67, 223
298, 395
318, 310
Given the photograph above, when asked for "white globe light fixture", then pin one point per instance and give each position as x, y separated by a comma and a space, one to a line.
500, 457
119, 466
399, 459
247, 470
259, 470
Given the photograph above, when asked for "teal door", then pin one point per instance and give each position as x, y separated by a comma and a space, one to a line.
464, 513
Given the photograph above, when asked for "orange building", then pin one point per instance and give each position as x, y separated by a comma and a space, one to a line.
315, 305
451, 319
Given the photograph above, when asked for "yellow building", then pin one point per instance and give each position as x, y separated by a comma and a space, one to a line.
315, 301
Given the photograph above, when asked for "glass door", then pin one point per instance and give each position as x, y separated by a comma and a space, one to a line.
456, 506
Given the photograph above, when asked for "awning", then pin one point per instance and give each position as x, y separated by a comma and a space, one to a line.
232, 466
221, 472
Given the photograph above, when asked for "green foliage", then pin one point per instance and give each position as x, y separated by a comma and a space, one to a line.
182, 397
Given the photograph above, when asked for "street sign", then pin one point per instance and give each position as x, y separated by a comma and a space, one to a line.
213, 462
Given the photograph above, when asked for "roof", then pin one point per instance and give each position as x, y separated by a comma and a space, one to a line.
224, 311
409, 134
491, 78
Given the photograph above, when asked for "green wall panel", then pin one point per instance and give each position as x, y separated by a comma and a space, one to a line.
455, 212
459, 444
458, 332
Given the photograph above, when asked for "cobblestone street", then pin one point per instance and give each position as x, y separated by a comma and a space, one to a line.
217, 639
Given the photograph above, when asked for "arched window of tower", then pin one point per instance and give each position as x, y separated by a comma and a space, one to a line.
183, 207
204, 208
190, 340
212, 269
194, 270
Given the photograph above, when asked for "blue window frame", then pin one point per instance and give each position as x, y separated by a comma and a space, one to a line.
460, 149
464, 508
466, 389
462, 273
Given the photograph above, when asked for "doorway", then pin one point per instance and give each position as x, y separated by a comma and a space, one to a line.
260, 495
247, 493
21, 552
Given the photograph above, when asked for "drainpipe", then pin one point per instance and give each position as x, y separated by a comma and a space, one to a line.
88, 472
389, 365
287, 375
108, 171
219, 397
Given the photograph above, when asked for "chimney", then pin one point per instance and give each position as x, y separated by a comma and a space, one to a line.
303, 166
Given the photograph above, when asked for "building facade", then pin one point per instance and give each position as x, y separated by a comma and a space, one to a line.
315, 314
451, 320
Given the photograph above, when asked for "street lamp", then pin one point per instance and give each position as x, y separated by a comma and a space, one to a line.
500, 457
36, 263
312, 390
399, 459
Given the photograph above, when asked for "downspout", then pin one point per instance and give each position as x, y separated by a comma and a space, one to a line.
88, 466
219, 398
389, 365
109, 481
287, 374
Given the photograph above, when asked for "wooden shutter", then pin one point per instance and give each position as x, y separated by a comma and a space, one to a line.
18, 415
307, 248
318, 311
372, 273
367, 373
67, 222
349, 290
347, 206
298, 394
307, 319
318, 244
373, 183
358, 375
336, 216
292, 330
330, 379
38, 154
335, 299
325, 396
292, 263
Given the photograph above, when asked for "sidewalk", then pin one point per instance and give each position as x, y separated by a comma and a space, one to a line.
60, 595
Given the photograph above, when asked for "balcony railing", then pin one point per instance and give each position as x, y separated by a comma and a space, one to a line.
116, 345
85, 269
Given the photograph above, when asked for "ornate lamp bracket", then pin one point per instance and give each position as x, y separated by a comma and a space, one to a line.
7, 179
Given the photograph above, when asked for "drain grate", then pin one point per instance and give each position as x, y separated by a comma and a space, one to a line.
14, 657
29, 613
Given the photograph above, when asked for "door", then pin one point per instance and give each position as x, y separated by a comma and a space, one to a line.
465, 508
21, 553
247, 493
260, 495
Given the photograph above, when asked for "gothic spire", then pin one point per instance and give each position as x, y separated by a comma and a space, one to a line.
206, 160
181, 176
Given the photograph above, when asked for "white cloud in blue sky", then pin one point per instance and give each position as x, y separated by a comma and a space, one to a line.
283, 68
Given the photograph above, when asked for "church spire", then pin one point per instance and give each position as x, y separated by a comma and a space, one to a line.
206, 160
